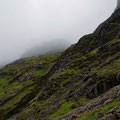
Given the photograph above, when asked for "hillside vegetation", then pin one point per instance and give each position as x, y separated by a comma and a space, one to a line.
59, 86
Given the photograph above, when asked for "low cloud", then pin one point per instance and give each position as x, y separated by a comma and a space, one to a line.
25, 24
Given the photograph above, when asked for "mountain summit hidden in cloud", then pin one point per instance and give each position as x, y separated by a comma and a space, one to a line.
118, 4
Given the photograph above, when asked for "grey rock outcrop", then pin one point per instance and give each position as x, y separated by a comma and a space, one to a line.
97, 103
113, 114
118, 4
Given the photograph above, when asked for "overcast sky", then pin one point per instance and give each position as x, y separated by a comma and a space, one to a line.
27, 23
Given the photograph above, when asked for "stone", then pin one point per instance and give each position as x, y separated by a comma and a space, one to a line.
117, 112
118, 109
117, 115
118, 94
112, 110
99, 115
106, 69
108, 117
118, 77
118, 4
74, 117
73, 106
108, 101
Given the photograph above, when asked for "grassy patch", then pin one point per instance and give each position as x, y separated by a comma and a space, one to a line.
66, 107
40, 73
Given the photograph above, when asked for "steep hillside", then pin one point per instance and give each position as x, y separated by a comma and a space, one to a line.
104, 107
44, 88
93, 64
19, 83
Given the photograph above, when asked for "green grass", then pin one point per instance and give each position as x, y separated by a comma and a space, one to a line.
39, 73
117, 63
3, 85
49, 58
65, 108
6, 87
11, 102
93, 53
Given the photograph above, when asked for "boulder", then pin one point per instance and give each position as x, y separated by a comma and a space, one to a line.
108, 117
99, 115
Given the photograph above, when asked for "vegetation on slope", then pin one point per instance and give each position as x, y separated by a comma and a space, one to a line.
49, 86
19, 83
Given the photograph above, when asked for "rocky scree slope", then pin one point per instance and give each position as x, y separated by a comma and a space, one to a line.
104, 107
47, 87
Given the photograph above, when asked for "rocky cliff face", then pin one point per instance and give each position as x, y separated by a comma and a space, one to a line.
118, 4
44, 88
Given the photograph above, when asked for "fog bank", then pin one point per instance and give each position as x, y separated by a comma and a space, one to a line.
25, 24
48, 48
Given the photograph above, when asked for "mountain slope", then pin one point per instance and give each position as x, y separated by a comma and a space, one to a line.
96, 58
44, 88
20, 83
104, 105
